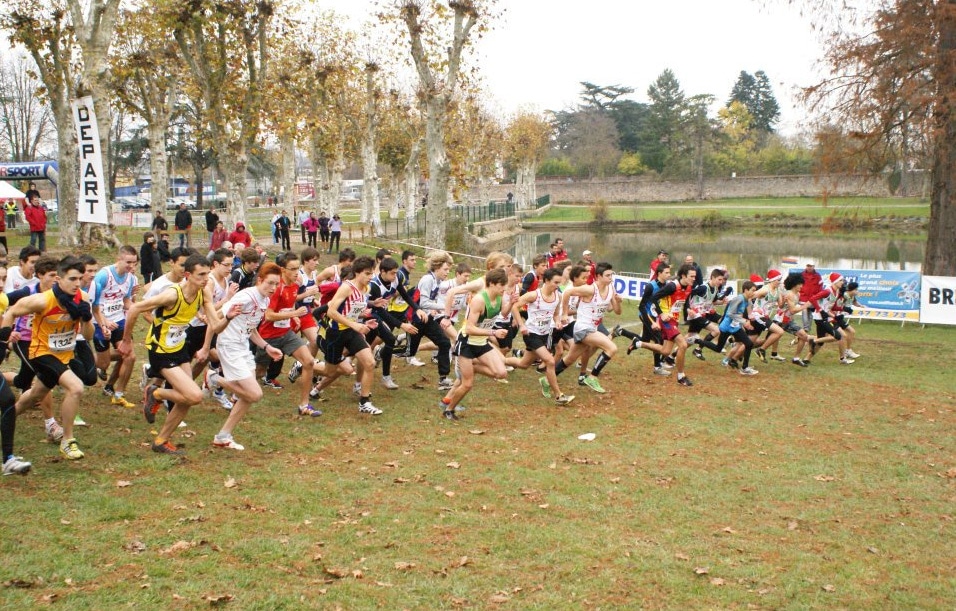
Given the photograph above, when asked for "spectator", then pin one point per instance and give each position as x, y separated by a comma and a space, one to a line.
660, 258
283, 224
335, 235
32, 192
183, 222
240, 236
311, 226
211, 220
150, 263
218, 237
10, 208
3, 238
35, 214
588, 261
302, 218
324, 227
163, 246
159, 223
699, 280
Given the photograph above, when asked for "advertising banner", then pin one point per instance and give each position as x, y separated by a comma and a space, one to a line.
93, 198
629, 287
938, 300
883, 295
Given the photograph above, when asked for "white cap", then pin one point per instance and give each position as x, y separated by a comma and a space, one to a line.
586, 253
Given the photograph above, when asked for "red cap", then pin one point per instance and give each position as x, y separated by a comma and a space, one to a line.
774, 274
756, 279
835, 277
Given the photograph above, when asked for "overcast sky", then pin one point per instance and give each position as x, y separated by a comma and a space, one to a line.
540, 51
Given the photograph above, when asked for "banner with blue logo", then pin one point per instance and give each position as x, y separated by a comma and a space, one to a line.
883, 294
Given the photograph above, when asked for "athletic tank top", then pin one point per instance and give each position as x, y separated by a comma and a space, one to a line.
592, 312
354, 305
24, 324
168, 332
486, 320
54, 332
541, 314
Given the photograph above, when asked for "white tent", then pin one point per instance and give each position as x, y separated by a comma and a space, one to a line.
8, 191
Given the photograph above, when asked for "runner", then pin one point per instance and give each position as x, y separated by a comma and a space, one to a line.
823, 303
112, 293
670, 301
350, 324
542, 309
430, 319
595, 299
169, 356
58, 315
381, 290
475, 353
701, 308
24, 274
222, 291
245, 274
791, 308
735, 324
242, 314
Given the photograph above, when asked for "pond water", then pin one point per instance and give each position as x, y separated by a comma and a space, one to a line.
740, 253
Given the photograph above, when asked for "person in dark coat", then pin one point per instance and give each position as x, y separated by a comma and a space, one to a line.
183, 222
149, 259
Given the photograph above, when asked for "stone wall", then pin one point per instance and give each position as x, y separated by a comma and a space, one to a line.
651, 190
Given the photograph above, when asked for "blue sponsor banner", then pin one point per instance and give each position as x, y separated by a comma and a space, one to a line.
882, 294
629, 287
32, 170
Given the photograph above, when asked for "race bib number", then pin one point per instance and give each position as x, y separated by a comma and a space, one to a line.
676, 307
356, 310
541, 321
487, 323
112, 309
284, 323
62, 342
176, 336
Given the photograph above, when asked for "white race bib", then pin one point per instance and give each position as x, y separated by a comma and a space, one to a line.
62, 342
176, 336
285, 323
356, 310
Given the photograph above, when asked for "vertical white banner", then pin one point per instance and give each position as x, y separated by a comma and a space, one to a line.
93, 198
937, 304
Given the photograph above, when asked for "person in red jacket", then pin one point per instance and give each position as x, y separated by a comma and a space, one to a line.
35, 214
241, 236
812, 284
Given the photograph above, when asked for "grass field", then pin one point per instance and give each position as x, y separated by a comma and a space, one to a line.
830, 487
869, 208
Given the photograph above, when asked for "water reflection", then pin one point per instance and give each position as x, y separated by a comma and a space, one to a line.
742, 254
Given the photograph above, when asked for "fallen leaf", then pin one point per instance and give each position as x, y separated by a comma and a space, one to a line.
717, 581
873, 550
177, 547
383, 584
792, 525
49, 598
230, 482
449, 494
951, 472
123, 483
681, 556
337, 573
358, 574
729, 530
135, 546
401, 480
464, 560
543, 506
829, 588
392, 464
405, 566
499, 598
218, 600
824, 478
701, 570
453, 465
476, 432
19, 583
65, 522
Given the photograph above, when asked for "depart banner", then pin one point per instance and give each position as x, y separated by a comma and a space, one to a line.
938, 300
93, 197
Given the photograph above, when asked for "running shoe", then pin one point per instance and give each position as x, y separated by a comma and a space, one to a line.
368, 408
273, 383
223, 399
564, 399
545, 387
389, 383
761, 354
101, 374
15, 465
434, 359
414, 362
150, 403
357, 389
667, 365
777, 357
685, 381
54, 432
308, 410
616, 331
692, 339
211, 380
592, 383
377, 353
315, 393
699, 354
166, 447
660, 371
799, 362
445, 383
846, 361
77, 421
226, 442
108, 390
120, 401
668, 361
814, 346
518, 353
748, 371
70, 449
295, 372
852, 355
635, 345
449, 414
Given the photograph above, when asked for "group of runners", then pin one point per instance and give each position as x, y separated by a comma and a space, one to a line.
222, 325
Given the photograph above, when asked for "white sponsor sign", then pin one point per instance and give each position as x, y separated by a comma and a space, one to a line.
92, 197
937, 303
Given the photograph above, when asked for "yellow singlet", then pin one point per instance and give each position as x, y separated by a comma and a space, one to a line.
168, 331
54, 332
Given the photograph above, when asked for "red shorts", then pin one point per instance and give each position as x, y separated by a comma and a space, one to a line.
307, 321
669, 329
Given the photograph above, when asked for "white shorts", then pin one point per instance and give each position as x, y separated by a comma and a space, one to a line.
236, 361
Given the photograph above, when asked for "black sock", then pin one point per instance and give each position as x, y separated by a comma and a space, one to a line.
363, 400
629, 334
559, 366
602, 360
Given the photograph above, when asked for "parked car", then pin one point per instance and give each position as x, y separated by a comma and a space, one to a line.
51, 205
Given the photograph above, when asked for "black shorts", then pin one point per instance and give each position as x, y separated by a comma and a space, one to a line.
465, 350
160, 360
533, 341
49, 369
83, 364
195, 338
509, 339
824, 328
841, 322
758, 327
103, 345
339, 342
696, 325
566, 333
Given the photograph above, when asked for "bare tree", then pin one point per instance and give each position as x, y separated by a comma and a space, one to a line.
27, 122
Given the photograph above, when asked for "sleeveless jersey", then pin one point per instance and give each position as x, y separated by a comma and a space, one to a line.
591, 313
507, 300
486, 320
541, 314
306, 281
168, 331
110, 293
353, 306
54, 332
24, 324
